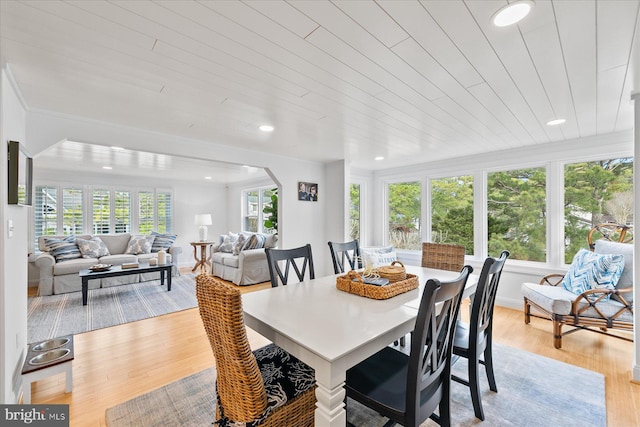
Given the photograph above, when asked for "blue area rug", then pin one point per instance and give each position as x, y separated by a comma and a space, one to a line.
532, 391
57, 315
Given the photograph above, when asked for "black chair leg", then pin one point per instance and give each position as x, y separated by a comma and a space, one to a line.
488, 365
474, 385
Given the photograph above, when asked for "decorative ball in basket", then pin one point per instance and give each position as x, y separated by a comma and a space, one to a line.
394, 272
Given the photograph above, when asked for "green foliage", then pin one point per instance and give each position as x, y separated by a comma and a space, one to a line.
452, 211
404, 214
270, 212
354, 211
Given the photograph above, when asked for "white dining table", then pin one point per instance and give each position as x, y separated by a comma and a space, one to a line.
332, 330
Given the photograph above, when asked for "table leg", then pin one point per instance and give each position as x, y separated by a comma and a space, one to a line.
330, 409
85, 290
195, 256
162, 277
169, 278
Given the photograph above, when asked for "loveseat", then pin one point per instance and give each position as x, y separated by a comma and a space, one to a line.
62, 258
240, 257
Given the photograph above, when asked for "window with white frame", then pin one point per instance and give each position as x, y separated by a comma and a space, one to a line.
517, 213
87, 210
405, 214
253, 209
452, 211
355, 196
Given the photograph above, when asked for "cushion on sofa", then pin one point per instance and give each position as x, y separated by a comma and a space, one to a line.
162, 241
589, 270
554, 299
64, 249
239, 243
140, 245
73, 266
377, 257
92, 248
255, 241
227, 243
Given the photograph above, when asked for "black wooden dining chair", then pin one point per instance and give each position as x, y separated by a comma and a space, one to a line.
473, 340
300, 259
348, 252
408, 389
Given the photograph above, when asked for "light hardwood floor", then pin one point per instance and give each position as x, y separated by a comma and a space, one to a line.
116, 364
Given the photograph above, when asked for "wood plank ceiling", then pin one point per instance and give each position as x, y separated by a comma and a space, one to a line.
412, 81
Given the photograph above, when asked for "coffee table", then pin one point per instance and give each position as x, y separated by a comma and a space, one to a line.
117, 270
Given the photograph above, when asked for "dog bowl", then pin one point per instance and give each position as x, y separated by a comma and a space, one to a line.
49, 356
50, 344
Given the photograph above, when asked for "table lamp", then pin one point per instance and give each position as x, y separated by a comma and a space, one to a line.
203, 220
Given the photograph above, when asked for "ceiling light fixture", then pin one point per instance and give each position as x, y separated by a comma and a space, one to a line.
379, 158
512, 13
266, 128
107, 168
207, 177
555, 122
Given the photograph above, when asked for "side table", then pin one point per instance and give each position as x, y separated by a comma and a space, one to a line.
204, 261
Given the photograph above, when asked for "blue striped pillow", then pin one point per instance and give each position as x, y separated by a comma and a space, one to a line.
589, 270
256, 241
62, 249
162, 241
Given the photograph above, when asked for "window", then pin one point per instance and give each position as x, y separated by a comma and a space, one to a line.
257, 209
354, 211
595, 192
516, 213
122, 211
101, 211
452, 211
145, 212
45, 211
165, 212
72, 211
405, 215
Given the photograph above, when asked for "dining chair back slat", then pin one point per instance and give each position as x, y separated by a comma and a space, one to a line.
345, 255
300, 259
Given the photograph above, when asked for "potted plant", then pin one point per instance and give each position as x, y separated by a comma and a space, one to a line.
270, 212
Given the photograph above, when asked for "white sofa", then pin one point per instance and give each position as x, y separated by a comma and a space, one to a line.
244, 265
60, 275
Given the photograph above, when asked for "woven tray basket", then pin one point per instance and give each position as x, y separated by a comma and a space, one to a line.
352, 283
393, 272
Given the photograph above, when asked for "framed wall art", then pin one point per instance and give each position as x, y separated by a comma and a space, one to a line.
307, 191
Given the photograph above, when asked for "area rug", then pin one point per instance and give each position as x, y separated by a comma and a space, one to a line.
532, 391
56, 315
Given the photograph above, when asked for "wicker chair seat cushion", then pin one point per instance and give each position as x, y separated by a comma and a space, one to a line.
626, 279
285, 378
554, 299
557, 300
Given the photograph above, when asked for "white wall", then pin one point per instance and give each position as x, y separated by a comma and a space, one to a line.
13, 252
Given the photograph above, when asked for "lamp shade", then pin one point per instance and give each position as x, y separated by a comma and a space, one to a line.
203, 219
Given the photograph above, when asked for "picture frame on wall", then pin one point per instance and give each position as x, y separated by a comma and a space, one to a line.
307, 191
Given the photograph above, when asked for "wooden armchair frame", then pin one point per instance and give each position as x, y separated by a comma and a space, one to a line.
576, 319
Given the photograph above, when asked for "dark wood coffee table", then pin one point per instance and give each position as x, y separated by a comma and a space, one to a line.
117, 270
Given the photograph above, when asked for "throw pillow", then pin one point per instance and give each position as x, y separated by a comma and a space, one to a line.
237, 246
227, 243
140, 245
62, 249
589, 270
615, 248
255, 241
162, 241
92, 248
376, 257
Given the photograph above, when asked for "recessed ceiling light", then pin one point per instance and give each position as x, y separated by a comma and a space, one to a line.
512, 13
107, 168
116, 148
379, 158
555, 122
266, 128
207, 177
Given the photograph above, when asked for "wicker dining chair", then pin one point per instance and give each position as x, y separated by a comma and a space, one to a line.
442, 256
266, 387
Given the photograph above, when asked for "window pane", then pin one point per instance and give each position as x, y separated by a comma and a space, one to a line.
145, 212
354, 211
101, 211
405, 215
251, 211
594, 193
267, 225
517, 213
45, 212
122, 211
452, 211
72, 211
165, 209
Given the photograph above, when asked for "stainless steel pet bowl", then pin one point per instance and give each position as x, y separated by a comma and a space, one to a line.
49, 356
50, 344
